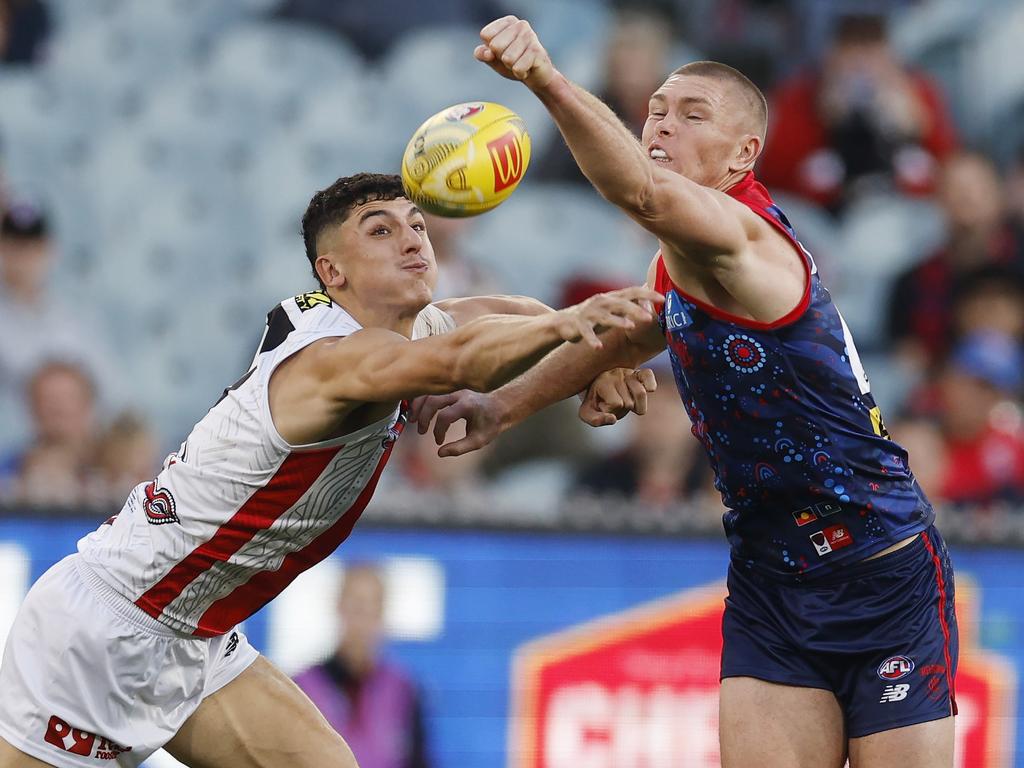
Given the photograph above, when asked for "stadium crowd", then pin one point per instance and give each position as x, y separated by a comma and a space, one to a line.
155, 158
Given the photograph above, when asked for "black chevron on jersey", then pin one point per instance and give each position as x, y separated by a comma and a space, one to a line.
279, 325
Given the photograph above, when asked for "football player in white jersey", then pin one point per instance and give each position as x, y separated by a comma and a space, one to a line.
131, 644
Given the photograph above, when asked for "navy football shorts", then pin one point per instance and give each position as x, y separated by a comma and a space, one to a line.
881, 635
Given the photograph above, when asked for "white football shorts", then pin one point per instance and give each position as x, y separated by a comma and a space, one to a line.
88, 679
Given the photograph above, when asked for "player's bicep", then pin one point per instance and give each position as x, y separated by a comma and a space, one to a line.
377, 365
697, 220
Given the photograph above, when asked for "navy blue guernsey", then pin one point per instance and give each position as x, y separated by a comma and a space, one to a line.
801, 457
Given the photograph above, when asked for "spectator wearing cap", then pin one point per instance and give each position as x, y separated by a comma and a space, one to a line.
37, 325
980, 421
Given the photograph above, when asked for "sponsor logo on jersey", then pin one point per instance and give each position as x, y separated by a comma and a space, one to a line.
312, 299
507, 160
894, 693
462, 111
159, 505
78, 742
676, 316
232, 645
895, 667
832, 538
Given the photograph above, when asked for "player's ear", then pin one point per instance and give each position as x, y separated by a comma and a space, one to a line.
330, 270
747, 154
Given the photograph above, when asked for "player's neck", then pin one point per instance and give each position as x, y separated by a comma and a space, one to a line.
394, 319
731, 179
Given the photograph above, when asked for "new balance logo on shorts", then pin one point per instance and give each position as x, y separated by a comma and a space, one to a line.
79, 742
894, 693
232, 644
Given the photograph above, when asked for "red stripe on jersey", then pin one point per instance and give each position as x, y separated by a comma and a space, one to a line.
264, 586
292, 479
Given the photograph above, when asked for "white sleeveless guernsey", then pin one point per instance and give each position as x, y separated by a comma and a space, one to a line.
237, 513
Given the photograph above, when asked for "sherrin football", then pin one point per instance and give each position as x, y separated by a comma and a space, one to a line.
466, 159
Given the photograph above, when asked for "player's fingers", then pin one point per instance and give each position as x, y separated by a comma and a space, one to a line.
483, 53
513, 52
503, 39
646, 377
595, 418
638, 394
444, 420
426, 407
587, 334
492, 29
471, 442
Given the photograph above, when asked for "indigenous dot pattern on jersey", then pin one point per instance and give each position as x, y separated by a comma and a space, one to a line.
786, 416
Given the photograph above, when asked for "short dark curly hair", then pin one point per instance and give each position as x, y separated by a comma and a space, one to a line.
331, 206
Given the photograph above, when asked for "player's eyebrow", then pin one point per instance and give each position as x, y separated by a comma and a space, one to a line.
695, 100
373, 212
414, 211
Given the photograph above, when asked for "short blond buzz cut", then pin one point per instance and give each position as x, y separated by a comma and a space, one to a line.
751, 94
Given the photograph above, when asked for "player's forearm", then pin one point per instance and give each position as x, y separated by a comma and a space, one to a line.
604, 148
493, 350
564, 373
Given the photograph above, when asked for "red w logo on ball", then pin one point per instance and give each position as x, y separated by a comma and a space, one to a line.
507, 159
159, 505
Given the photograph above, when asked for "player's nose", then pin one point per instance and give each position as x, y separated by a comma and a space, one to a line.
412, 240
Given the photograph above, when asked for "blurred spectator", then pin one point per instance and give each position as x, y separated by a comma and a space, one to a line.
369, 700
661, 464
975, 402
37, 325
457, 274
423, 471
861, 122
126, 455
636, 62
24, 28
362, 25
979, 235
54, 467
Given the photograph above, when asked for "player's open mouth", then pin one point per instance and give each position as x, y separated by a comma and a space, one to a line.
658, 154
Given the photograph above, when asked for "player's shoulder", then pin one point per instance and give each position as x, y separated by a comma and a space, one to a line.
315, 311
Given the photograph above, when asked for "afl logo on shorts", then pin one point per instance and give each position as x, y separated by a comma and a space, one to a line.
159, 506
895, 667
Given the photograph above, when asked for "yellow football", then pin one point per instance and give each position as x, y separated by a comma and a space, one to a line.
466, 159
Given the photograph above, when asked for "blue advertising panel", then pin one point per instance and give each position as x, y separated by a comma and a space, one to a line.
463, 602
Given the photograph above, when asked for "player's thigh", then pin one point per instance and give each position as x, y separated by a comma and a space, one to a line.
261, 719
15, 758
779, 726
924, 745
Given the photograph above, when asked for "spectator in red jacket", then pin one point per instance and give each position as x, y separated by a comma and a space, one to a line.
862, 120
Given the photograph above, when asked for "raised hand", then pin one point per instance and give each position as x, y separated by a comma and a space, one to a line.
616, 393
512, 49
625, 308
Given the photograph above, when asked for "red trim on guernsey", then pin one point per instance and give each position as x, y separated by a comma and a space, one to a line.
264, 586
941, 582
292, 479
751, 193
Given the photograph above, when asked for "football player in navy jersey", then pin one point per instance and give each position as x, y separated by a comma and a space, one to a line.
840, 639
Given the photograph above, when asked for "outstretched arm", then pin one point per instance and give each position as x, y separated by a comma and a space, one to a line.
563, 373
670, 206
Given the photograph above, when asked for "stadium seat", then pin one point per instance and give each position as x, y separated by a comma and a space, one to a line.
280, 66
545, 234
994, 79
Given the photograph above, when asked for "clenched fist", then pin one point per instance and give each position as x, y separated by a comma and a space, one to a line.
512, 49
